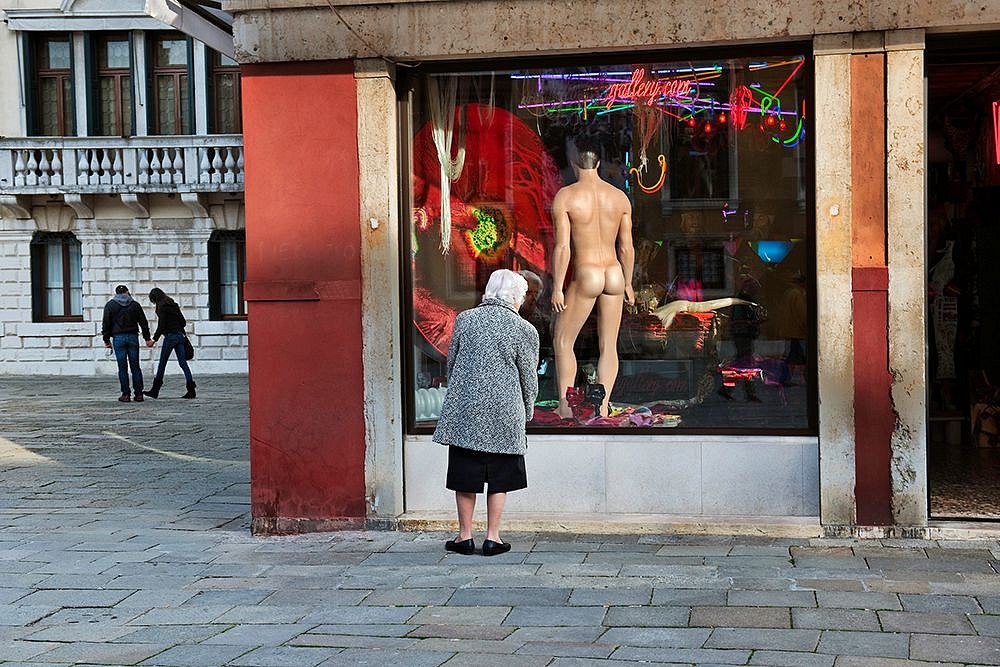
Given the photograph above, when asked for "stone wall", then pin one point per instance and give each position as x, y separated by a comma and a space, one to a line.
284, 30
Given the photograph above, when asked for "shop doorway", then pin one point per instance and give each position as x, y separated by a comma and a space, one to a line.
963, 278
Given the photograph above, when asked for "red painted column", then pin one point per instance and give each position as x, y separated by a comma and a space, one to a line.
873, 414
307, 436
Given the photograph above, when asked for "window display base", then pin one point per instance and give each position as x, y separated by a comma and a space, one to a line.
625, 524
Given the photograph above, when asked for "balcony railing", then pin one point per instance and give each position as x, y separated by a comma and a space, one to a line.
41, 165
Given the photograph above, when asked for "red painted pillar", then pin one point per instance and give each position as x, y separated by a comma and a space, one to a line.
307, 436
873, 414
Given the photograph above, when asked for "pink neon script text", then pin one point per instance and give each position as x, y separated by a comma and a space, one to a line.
640, 88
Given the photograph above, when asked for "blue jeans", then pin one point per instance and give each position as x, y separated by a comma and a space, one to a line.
173, 342
126, 348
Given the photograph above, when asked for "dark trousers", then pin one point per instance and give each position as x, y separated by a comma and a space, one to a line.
126, 348
173, 342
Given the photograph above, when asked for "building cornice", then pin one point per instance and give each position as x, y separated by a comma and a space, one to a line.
296, 30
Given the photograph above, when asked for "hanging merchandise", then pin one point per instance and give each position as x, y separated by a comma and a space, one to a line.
442, 112
647, 125
486, 111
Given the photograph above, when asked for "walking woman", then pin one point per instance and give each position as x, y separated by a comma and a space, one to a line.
170, 324
492, 386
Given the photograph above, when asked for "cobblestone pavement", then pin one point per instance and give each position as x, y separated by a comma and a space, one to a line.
123, 541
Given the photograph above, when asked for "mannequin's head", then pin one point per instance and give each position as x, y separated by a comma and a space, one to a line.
587, 154
507, 286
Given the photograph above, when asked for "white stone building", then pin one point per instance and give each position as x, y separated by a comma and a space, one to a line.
121, 161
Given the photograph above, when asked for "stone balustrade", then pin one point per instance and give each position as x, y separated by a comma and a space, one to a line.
42, 165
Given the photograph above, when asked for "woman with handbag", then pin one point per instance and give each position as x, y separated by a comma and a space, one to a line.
170, 324
492, 386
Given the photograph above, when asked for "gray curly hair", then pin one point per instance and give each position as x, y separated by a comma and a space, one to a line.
507, 286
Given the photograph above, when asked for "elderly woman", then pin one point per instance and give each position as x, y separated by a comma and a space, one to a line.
492, 385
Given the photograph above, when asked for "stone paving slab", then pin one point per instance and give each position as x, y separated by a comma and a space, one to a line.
124, 540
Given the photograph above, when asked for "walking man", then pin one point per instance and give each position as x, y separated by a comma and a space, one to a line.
123, 319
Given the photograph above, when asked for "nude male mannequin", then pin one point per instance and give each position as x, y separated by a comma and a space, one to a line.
590, 216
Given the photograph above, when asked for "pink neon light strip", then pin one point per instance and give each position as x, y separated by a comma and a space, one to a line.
996, 130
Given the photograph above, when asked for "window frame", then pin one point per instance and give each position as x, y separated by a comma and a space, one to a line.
97, 72
40, 243
410, 76
216, 69
215, 243
65, 119
153, 39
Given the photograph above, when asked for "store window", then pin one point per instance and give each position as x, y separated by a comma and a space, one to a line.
226, 104
56, 277
712, 156
50, 98
226, 274
113, 85
170, 83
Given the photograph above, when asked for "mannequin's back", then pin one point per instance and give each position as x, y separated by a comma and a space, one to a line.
595, 209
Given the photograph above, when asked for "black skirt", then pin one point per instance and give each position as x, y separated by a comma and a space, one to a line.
469, 470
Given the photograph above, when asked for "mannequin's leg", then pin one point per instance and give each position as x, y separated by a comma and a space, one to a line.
609, 320
568, 327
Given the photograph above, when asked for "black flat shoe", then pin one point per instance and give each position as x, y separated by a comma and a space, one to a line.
465, 547
491, 548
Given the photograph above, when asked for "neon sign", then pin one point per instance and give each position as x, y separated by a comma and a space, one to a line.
641, 88
652, 189
996, 130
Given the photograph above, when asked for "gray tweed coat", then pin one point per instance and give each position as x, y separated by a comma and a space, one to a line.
492, 380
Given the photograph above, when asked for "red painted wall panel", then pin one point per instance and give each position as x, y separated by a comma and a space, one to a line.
307, 437
873, 415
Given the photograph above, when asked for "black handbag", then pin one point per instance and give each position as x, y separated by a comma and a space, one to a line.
188, 348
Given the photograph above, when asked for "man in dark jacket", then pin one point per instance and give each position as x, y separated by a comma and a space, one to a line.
123, 319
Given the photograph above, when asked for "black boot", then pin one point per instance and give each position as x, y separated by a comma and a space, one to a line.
155, 391
190, 393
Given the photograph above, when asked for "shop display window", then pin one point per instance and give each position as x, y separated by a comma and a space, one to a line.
713, 157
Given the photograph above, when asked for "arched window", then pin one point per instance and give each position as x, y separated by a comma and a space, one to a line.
56, 277
226, 273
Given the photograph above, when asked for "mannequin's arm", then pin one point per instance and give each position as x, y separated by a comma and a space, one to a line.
561, 252
626, 254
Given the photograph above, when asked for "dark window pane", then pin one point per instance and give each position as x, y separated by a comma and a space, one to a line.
166, 104
226, 105
69, 119
108, 105
126, 92
75, 279
185, 109
49, 105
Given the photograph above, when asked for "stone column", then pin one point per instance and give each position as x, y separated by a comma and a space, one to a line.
906, 207
381, 327
835, 356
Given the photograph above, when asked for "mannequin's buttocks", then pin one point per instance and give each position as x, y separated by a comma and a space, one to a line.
592, 279
596, 269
